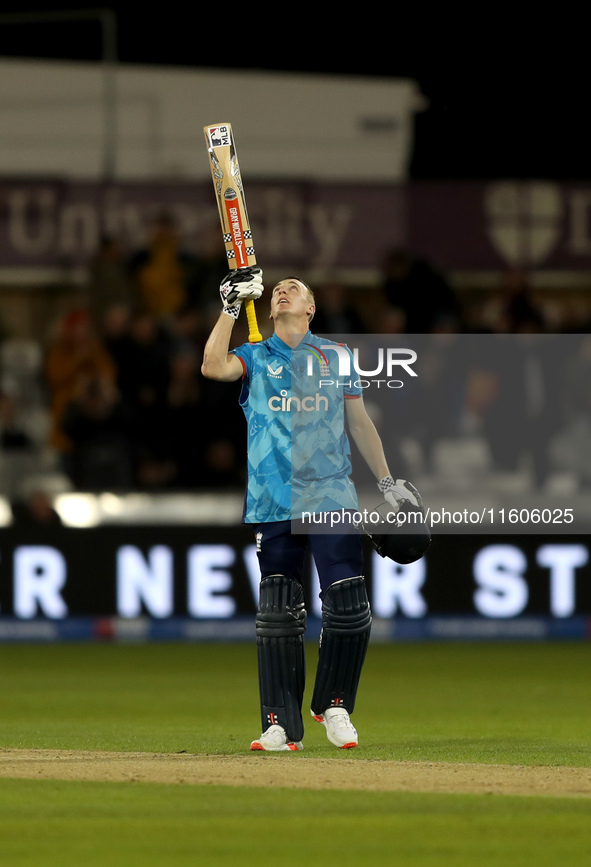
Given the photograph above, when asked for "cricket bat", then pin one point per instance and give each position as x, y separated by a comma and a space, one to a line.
227, 182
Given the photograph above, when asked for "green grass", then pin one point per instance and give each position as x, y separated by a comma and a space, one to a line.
518, 704
55, 824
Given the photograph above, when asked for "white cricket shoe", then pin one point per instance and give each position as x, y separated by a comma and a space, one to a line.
275, 740
339, 729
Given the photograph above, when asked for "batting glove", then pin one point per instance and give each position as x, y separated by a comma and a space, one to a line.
239, 286
399, 493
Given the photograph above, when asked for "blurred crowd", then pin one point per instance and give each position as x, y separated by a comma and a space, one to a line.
113, 399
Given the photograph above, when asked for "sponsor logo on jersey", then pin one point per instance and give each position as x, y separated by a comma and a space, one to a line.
276, 372
322, 360
283, 402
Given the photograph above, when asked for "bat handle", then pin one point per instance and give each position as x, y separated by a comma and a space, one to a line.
254, 335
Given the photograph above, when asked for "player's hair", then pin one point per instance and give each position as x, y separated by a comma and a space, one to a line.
311, 298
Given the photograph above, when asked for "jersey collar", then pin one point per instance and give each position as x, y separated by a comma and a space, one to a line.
278, 344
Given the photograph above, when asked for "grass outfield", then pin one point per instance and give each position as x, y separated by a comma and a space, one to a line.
56, 823
521, 704
526, 704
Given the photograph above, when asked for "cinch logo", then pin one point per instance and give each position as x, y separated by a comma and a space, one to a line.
394, 358
282, 403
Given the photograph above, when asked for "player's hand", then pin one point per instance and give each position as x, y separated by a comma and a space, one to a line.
240, 285
398, 493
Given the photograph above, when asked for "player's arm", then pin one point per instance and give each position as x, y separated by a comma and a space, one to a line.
218, 363
366, 437
396, 491
237, 286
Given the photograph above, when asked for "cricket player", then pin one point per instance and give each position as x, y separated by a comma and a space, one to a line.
298, 461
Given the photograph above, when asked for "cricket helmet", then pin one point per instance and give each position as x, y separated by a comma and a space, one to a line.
400, 535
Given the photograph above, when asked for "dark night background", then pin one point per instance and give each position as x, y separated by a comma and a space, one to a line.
507, 97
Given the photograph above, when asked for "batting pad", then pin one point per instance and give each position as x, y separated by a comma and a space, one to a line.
346, 626
280, 628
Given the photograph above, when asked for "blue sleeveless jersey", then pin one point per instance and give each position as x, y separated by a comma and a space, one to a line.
298, 450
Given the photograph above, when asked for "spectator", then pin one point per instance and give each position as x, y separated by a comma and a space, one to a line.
575, 316
75, 356
225, 449
109, 282
160, 273
187, 426
524, 383
433, 403
335, 313
13, 436
35, 509
19, 453
572, 445
222, 466
21, 373
185, 330
117, 339
99, 425
519, 312
154, 468
141, 350
414, 287
577, 380
144, 377
392, 320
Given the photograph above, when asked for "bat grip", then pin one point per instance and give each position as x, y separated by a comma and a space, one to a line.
254, 335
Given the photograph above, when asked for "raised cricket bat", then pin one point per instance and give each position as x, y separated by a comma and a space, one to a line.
227, 182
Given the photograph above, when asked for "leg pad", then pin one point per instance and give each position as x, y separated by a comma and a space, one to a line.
280, 628
346, 627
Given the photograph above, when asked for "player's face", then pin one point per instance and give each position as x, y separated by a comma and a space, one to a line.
290, 297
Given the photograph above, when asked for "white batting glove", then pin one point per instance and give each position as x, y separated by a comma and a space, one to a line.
239, 286
397, 493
